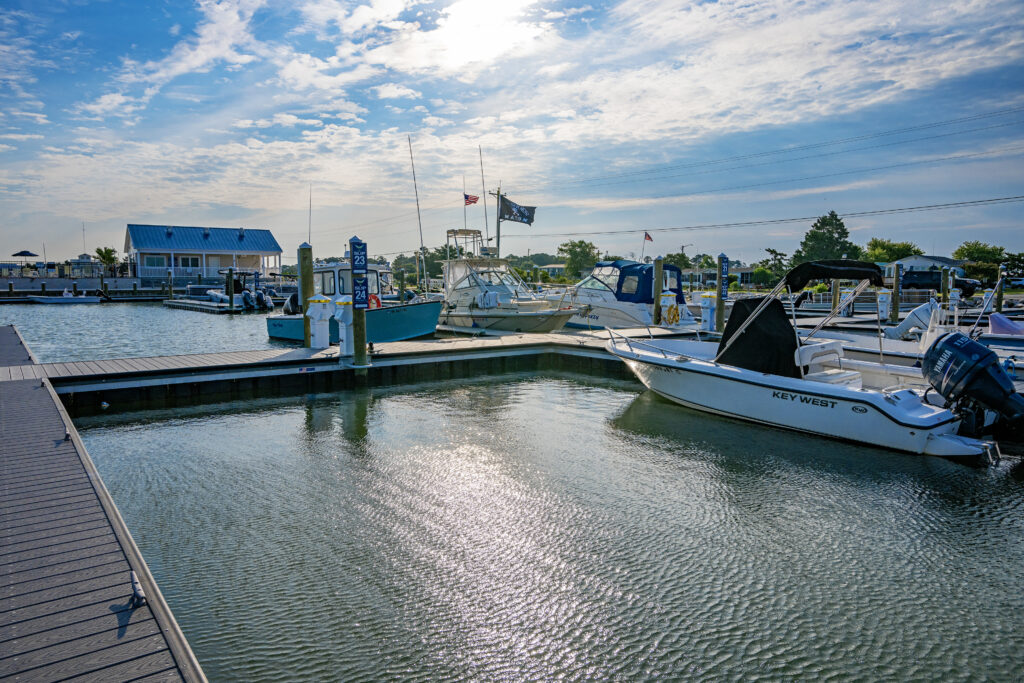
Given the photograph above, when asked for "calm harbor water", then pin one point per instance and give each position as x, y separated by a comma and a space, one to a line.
58, 333
547, 527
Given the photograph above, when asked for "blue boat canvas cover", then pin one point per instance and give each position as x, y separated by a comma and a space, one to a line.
638, 281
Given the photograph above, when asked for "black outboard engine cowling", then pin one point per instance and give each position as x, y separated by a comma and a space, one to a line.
959, 367
291, 306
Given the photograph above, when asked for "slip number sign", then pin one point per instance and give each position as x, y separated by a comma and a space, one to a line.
360, 282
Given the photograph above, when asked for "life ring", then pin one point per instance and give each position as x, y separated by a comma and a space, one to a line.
374, 301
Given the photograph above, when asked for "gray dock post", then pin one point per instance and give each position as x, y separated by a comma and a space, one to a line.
723, 288
659, 269
170, 284
835, 294
305, 287
229, 289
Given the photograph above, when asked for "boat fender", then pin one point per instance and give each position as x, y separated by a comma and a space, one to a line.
374, 301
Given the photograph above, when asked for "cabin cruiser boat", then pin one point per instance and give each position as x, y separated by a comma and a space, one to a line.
762, 371
387, 319
620, 294
486, 296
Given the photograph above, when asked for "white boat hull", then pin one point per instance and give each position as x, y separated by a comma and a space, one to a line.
496, 320
897, 420
64, 299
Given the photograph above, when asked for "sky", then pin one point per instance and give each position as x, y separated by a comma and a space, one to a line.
716, 127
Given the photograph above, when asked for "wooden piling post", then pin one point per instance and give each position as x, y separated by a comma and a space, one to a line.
305, 287
659, 269
229, 289
835, 294
723, 288
170, 284
897, 291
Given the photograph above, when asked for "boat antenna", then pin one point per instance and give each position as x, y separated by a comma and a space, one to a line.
483, 193
419, 219
85, 249
309, 228
464, 202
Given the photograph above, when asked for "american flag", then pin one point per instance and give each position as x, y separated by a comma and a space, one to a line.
647, 237
470, 198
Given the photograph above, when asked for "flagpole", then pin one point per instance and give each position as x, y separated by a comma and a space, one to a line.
423, 256
497, 222
464, 226
643, 246
483, 192
309, 227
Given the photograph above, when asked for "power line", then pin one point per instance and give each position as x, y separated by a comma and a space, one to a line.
778, 221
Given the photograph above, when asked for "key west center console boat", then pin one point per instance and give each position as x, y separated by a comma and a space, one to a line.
762, 371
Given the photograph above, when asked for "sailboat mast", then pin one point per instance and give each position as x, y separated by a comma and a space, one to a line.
419, 219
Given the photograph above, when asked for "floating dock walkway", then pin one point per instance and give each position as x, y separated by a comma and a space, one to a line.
68, 607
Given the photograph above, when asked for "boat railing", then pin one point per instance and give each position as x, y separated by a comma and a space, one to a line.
612, 334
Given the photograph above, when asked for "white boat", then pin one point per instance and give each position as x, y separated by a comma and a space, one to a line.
485, 296
620, 294
761, 371
65, 298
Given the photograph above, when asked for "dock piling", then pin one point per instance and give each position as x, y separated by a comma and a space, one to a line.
897, 291
723, 289
658, 287
305, 286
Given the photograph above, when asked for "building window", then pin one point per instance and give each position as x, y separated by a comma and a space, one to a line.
188, 261
155, 261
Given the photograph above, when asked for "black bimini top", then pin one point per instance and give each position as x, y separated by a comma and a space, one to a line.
840, 269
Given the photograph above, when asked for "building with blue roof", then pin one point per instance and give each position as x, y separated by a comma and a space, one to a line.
183, 252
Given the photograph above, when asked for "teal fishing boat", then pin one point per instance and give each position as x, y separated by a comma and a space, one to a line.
387, 320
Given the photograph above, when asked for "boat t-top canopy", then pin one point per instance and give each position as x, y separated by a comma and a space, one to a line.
840, 269
488, 274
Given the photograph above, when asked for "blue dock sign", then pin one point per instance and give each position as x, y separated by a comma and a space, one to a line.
358, 249
360, 292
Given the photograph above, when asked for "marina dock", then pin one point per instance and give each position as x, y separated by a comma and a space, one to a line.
68, 607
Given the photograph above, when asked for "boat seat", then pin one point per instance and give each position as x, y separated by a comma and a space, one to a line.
837, 376
818, 354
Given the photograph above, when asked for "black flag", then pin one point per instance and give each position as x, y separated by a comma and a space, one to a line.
510, 211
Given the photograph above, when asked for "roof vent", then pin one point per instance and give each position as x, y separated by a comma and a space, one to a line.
241, 233
170, 231
206, 233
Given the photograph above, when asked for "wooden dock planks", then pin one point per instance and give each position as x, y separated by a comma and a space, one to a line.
65, 556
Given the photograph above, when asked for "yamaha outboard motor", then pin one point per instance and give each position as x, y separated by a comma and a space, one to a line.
263, 301
291, 306
248, 303
964, 371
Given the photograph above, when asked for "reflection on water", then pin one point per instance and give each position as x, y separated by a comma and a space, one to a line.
540, 528
58, 334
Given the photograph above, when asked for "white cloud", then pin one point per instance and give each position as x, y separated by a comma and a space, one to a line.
284, 120
175, 29
20, 136
395, 91
6, 148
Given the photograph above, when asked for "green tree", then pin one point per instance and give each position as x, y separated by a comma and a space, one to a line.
776, 264
988, 273
578, 254
886, 251
762, 276
1015, 264
108, 257
704, 261
979, 252
828, 238
679, 259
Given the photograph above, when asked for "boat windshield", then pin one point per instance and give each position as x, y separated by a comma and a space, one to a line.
330, 282
593, 283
